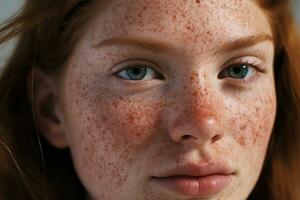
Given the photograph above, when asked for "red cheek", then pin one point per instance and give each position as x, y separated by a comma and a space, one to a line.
131, 124
242, 134
190, 28
255, 126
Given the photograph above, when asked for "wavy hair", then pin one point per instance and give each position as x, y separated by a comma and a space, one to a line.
47, 31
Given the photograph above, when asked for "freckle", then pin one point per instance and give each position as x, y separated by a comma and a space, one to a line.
192, 78
257, 109
255, 138
99, 176
242, 141
243, 127
197, 1
103, 119
138, 134
131, 118
86, 149
196, 94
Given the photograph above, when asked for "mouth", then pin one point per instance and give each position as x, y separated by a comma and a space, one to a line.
195, 180
194, 186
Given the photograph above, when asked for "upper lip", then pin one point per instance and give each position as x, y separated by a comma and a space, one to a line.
192, 169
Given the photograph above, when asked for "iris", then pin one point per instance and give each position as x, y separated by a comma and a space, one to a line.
136, 73
238, 71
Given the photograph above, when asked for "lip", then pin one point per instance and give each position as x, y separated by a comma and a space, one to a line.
194, 180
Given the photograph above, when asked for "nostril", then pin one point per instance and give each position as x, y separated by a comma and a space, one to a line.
186, 137
216, 138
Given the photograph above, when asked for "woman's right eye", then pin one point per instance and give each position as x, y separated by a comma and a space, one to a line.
139, 72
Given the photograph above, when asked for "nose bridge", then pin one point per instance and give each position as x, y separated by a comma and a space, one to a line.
193, 113
197, 97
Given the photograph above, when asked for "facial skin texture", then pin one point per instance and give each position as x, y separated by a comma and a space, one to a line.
122, 132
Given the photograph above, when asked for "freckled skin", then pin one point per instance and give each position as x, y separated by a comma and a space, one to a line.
120, 134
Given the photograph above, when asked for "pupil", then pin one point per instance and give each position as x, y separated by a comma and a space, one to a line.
238, 71
136, 73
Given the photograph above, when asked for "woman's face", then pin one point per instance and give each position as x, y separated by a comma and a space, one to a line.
171, 100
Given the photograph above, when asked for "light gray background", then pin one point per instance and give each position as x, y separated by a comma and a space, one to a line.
9, 7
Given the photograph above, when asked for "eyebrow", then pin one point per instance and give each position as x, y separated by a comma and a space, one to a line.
162, 47
244, 42
151, 45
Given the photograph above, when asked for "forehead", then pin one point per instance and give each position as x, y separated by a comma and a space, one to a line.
186, 22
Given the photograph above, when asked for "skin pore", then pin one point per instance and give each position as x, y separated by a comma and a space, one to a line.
187, 109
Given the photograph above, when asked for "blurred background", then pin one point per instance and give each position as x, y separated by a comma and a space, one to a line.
10, 7
7, 9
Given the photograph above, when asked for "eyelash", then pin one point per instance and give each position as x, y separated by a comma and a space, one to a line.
252, 65
255, 65
142, 63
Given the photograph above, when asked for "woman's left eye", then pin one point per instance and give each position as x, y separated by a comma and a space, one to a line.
138, 72
238, 71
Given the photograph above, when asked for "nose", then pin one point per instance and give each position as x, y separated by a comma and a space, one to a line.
194, 115
197, 130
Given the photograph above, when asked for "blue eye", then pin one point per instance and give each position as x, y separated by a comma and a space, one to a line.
138, 72
237, 71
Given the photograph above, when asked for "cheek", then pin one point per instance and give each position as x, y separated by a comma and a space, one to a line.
109, 132
130, 122
254, 125
251, 123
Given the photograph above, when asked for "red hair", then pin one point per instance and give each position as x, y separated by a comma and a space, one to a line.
47, 32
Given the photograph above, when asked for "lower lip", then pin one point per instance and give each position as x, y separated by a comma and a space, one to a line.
195, 186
